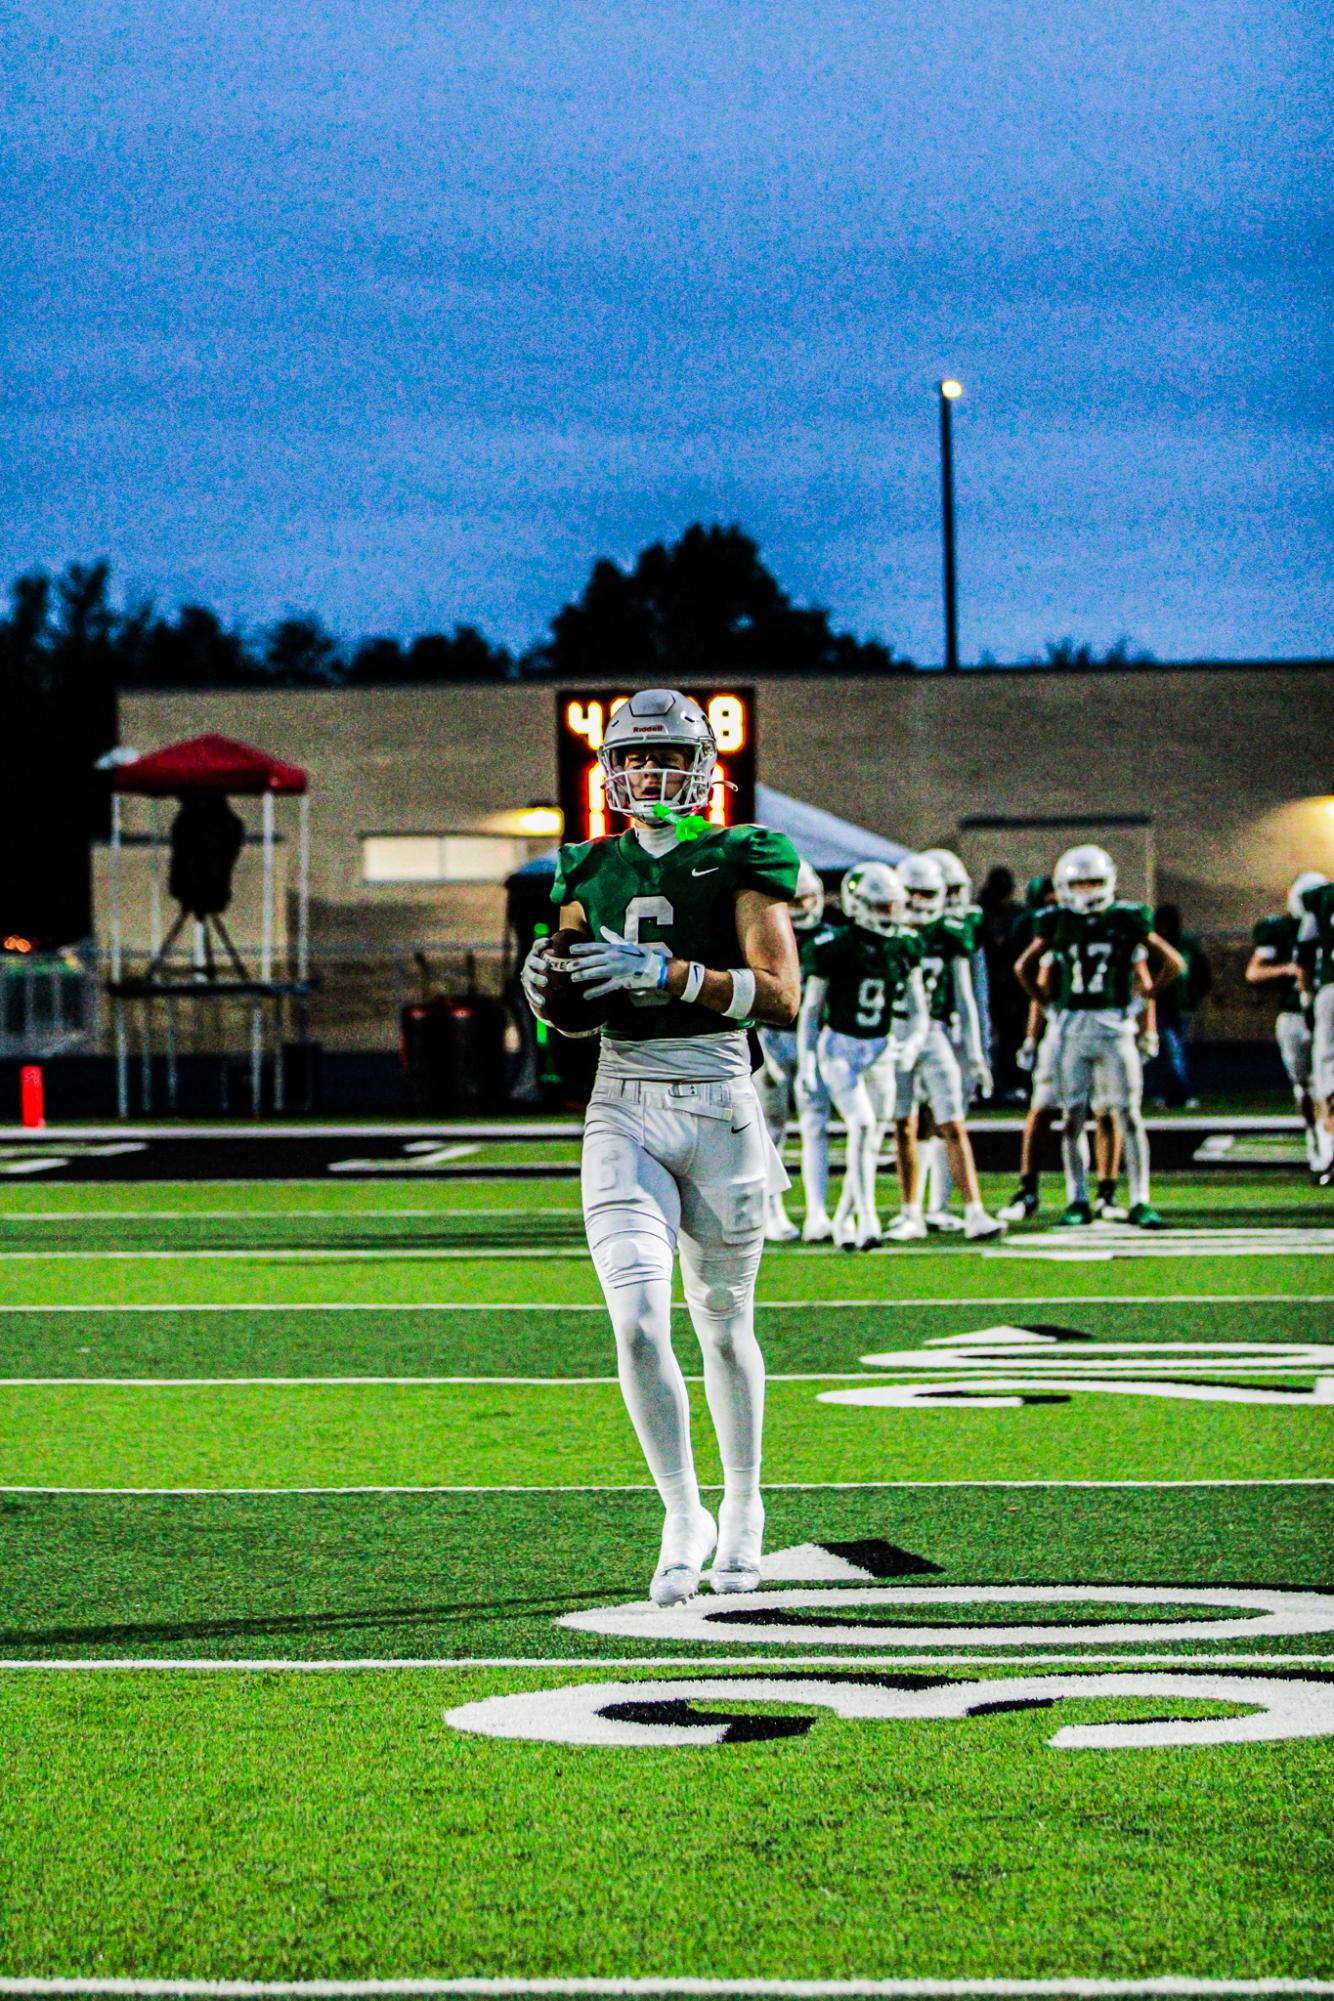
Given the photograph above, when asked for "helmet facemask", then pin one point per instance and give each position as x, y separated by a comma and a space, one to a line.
872, 897
1085, 880
923, 890
684, 791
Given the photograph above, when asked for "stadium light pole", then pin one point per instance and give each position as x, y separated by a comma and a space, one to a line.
949, 393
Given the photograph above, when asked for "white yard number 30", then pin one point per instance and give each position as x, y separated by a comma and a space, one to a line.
648, 910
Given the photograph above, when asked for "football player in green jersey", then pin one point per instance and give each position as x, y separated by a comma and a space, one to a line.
1095, 945
776, 1080
687, 932
1273, 966
965, 916
859, 976
934, 1078
1315, 963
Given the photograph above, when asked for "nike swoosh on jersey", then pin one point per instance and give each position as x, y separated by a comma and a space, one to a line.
705, 871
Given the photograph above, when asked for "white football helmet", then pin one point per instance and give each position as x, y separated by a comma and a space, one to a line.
653, 717
923, 888
958, 882
872, 896
1093, 870
1309, 878
808, 903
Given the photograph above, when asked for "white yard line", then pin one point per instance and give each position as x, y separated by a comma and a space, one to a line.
1027, 1299
1188, 1987
965, 1373
348, 1255
464, 1663
440, 1213
644, 1487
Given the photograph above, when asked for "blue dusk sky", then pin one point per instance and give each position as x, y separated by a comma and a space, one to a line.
403, 311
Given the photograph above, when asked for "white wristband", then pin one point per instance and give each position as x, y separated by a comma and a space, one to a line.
743, 994
694, 981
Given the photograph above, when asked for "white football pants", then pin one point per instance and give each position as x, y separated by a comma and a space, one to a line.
1098, 1067
1322, 1044
686, 1164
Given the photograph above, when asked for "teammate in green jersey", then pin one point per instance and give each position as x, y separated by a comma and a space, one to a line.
687, 930
776, 1081
937, 1175
1273, 967
1094, 945
934, 1080
1315, 961
859, 976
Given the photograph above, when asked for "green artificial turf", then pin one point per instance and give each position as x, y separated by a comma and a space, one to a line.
311, 1826
335, 1576
285, 1825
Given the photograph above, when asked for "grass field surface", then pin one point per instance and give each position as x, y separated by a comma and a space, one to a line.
324, 1536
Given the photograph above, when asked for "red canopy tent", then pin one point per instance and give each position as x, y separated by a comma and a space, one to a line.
211, 764
208, 763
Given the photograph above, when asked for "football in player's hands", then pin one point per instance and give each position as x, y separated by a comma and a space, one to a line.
565, 1005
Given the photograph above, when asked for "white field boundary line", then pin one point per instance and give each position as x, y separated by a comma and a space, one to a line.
467, 1663
961, 1375
398, 1254
706, 1486
1027, 1299
441, 1213
556, 1128
500, 1989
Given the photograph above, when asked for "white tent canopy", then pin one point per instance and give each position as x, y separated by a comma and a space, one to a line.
821, 838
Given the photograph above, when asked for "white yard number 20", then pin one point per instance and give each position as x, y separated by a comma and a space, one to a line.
1100, 958
648, 910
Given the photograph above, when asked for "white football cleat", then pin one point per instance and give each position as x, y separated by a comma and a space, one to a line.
736, 1567
982, 1226
818, 1227
870, 1236
687, 1544
943, 1220
845, 1231
906, 1229
779, 1227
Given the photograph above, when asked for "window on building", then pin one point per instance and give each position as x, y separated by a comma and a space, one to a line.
441, 858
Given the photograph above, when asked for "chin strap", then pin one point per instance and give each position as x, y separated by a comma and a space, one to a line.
689, 826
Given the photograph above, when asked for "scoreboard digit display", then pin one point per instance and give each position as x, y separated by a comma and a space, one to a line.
582, 715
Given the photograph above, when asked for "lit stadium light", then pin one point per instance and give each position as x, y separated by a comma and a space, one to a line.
951, 389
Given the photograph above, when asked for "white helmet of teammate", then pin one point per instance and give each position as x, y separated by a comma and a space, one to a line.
872, 896
659, 717
923, 888
1309, 878
808, 903
1093, 870
958, 882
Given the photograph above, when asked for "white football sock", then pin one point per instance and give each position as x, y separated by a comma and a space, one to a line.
814, 1158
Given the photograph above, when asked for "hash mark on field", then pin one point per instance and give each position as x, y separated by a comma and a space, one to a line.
706, 1486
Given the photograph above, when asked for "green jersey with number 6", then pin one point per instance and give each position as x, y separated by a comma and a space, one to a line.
867, 973
1094, 953
1319, 904
684, 900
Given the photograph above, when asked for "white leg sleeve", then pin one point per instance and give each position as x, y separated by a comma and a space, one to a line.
844, 1071
631, 1213
1075, 1153
1136, 1141
719, 1284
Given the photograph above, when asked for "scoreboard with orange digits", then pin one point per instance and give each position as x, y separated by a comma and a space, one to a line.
582, 715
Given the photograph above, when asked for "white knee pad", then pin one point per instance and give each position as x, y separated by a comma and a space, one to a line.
629, 1260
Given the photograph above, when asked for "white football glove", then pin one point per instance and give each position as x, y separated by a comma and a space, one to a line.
1026, 1056
986, 1083
1148, 1043
618, 964
809, 1073
533, 977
